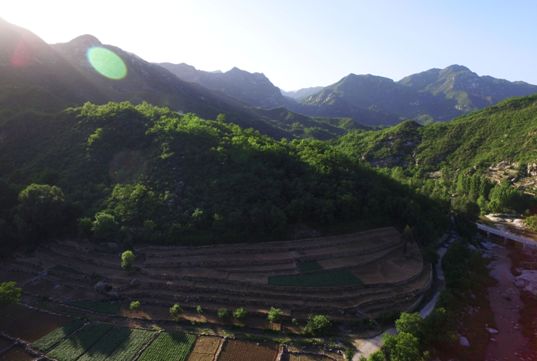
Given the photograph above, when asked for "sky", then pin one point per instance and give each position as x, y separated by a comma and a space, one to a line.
302, 43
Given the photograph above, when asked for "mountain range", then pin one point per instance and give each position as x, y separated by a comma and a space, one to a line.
432, 95
43, 77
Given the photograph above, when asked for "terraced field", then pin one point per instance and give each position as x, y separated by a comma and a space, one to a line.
360, 274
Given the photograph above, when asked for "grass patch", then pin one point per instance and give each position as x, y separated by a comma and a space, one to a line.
325, 278
48, 341
98, 306
169, 346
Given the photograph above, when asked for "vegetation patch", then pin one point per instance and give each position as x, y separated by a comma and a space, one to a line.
169, 346
48, 341
76, 345
120, 344
325, 278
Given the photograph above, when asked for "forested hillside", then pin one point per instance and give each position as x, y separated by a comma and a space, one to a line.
481, 157
143, 173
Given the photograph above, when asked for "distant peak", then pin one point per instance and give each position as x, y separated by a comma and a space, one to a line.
85, 41
456, 67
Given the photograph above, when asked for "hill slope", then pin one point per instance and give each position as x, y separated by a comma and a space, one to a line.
165, 177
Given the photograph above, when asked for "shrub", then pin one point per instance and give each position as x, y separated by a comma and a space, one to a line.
222, 313
135, 305
274, 314
240, 313
317, 325
127, 259
9, 293
175, 311
531, 222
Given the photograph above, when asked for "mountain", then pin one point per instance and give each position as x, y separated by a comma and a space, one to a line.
35, 75
469, 90
436, 94
302, 93
254, 89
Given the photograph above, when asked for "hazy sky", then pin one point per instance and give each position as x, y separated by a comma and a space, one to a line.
301, 43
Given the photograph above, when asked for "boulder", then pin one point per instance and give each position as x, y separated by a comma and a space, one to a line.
102, 287
492, 331
463, 341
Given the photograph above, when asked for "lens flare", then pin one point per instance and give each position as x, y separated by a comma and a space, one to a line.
107, 63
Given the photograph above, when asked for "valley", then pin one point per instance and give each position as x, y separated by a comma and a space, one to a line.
154, 211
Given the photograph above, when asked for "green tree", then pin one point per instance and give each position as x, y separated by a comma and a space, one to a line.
410, 323
105, 226
222, 313
317, 325
41, 211
274, 314
407, 348
135, 305
240, 313
9, 293
175, 311
127, 259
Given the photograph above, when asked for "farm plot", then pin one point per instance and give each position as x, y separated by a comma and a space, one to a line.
16, 354
324, 278
205, 348
28, 324
169, 346
47, 342
76, 345
120, 344
235, 350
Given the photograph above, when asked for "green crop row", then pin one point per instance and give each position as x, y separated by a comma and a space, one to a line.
120, 344
76, 345
48, 341
169, 346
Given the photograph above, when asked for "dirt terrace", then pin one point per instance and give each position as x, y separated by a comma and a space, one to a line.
236, 275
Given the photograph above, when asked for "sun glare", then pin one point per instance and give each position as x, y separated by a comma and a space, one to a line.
107, 63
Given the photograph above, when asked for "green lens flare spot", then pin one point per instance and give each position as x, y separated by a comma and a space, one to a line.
107, 63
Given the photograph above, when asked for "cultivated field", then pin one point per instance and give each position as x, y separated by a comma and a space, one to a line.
205, 348
235, 350
169, 346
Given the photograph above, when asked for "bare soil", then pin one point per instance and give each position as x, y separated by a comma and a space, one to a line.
235, 350
205, 348
16, 354
27, 324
